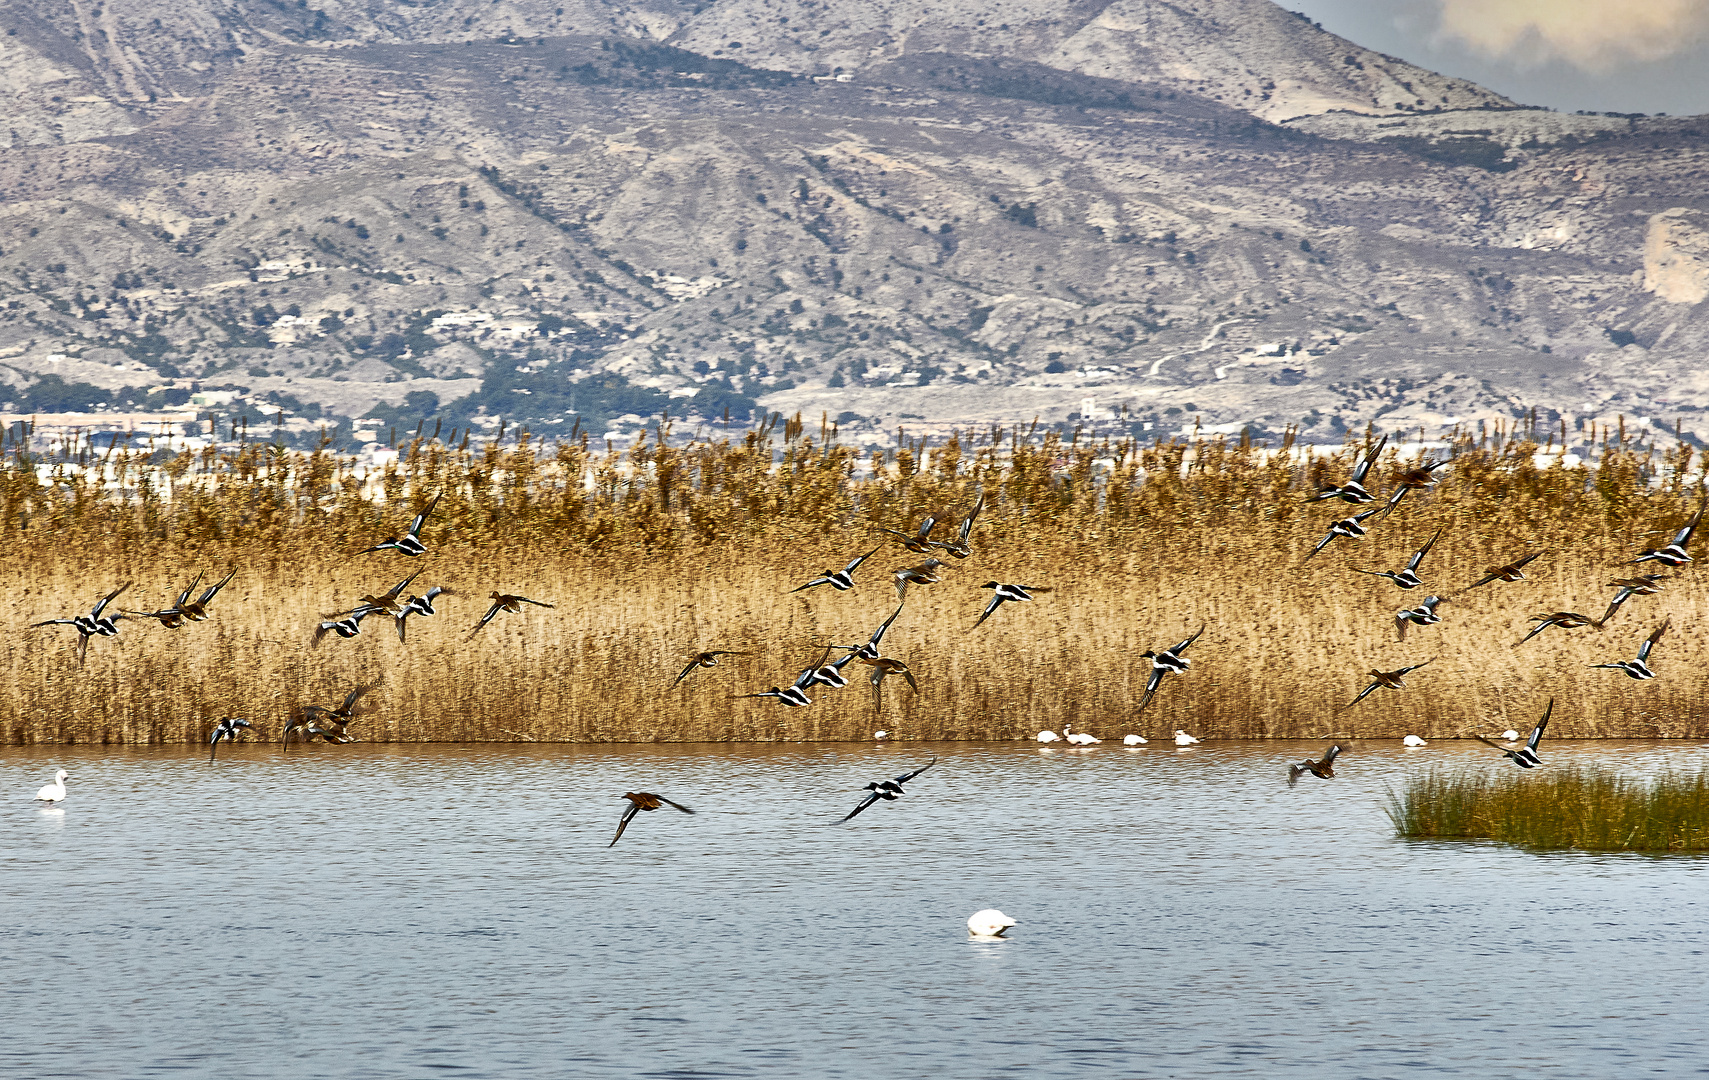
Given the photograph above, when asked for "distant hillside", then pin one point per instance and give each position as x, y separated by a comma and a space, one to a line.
1126, 213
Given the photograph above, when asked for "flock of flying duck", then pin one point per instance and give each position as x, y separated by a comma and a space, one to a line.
330, 723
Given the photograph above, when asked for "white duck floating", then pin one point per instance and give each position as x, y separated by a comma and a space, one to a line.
54, 792
987, 924
1184, 739
1134, 740
1413, 740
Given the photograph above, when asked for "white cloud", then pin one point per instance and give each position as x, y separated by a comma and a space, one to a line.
1596, 35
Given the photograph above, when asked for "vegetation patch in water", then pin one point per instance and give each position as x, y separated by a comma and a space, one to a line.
1584, 808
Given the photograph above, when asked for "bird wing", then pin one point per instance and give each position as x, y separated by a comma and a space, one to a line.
692, 664
864, 803
1359, 518
903, 779
415, 526
184, 597
1683, 536
822, 580
1180, 648
678, 805
1394, 499
1650, 642
488, 617
878, 635
213, 590
400, 619
1620, 597
877, 681
912, 685
1537, 732
1321, 544
810, 675
972, 516
392, 593
1330, 756
1418, 556
855, 565
1151, 684
623, 823
1489, 743
536, 603
926, 527
105, 600
1363, 469
1362, 695
1401, 622
996, 602
1415, 667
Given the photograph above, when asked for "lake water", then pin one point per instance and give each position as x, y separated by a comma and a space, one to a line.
413, 911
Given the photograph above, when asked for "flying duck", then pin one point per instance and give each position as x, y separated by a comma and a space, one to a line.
925, 573
794, 696
1642, 585
318, 721
888, 790
229, 727
1526, 756
410, 542
1640, 668
1566, 620
705, 660
1323, 768
1419, 478
1165, 662
1354, 490
1014, 593
1391, 680
1674, 554
180, 612
1513, 571
920, 542
93, 624
420, 605
868, 652
638, 801
1351, 528
347, 627
1422, 615
959, 547
881, 668
840, 580
504, 602
1407, 578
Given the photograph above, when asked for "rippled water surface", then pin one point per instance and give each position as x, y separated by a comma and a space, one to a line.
428, 910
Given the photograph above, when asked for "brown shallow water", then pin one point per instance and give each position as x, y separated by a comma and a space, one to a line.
415, 910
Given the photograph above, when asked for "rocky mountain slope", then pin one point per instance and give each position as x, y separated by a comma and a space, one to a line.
1134, 214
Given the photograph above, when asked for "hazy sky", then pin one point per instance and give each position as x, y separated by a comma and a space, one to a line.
1645, 56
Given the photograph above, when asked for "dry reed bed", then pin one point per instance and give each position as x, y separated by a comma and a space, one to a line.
666, 549
1587, 809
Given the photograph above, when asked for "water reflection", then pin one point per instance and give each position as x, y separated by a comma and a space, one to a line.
391, 910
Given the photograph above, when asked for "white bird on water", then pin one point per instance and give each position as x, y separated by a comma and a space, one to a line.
1510, 734
1183, 739
881, 735
1048, 736
1134, 740
1413, 740
988, 924
1079, 738
54, 792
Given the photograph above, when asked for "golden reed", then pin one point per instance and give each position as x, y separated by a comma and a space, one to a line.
657, 552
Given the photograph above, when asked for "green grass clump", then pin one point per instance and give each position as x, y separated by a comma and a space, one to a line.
1584, 808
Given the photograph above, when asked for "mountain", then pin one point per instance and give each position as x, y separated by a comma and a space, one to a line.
1136, 214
